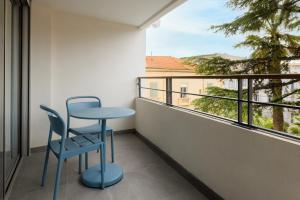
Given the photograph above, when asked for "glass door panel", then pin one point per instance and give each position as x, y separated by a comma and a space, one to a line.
1, 96
16, 84
12, 88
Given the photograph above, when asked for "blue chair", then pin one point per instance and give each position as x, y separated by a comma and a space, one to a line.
83, 102
68, 147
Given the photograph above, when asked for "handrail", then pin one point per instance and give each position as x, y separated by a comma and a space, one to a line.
237, 76
239, 99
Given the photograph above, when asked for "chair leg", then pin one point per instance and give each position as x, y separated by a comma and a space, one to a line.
102, 163
45, 167
68, 134
79, 164
57, 178
112, 147
86, 161
98, 138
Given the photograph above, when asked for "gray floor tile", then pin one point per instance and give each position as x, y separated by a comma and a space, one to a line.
146, 177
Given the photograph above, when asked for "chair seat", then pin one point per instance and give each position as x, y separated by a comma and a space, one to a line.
95, 128
77, 145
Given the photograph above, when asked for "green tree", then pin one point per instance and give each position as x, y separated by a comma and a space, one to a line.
212, 105
229, 108
268, 26
295, 127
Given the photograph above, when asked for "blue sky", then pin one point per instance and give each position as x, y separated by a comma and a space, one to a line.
185, 31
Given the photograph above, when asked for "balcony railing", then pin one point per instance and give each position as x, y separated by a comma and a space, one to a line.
246, 100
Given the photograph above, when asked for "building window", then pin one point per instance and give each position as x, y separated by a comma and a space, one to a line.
183, 90
153, 85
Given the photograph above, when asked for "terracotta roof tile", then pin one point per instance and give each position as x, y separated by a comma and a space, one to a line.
166, 63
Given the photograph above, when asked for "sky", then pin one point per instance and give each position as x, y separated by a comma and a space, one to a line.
185, 31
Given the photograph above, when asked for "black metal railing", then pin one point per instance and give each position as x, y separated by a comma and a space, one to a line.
240, 100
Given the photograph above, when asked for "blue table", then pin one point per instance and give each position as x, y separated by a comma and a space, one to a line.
113, 173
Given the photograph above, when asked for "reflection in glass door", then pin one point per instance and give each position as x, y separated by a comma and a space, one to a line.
12, 81
1, 97
14, 63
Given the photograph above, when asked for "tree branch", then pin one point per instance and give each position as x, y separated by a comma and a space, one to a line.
285, 95
272, 85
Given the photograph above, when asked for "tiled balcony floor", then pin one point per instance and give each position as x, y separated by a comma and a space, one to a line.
146, 177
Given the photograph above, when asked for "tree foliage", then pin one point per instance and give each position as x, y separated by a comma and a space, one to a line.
295, 127
229, 109
268, 26
212, 105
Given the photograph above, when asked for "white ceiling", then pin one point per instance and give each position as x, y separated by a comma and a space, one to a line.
131, 12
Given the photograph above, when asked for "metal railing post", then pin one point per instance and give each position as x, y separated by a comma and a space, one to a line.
249, 99
169, 91
240, 103
140, 87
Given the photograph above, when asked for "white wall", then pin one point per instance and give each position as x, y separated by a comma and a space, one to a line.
235, 162
40, 73
77, 55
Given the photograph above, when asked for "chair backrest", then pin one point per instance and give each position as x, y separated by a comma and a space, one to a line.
81, 102
57, 124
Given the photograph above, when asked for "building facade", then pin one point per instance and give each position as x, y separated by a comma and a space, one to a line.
172, 66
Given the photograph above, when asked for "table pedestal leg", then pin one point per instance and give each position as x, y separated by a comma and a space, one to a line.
113, 173
92, 177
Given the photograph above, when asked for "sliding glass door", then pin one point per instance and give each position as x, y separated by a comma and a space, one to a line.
2, 98
12, 82
14, 67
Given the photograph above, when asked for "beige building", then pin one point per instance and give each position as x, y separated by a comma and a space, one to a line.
171, 66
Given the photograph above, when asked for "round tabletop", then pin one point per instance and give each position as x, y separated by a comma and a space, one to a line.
103, 113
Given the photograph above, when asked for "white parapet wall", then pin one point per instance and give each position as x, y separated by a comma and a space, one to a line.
237, 163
